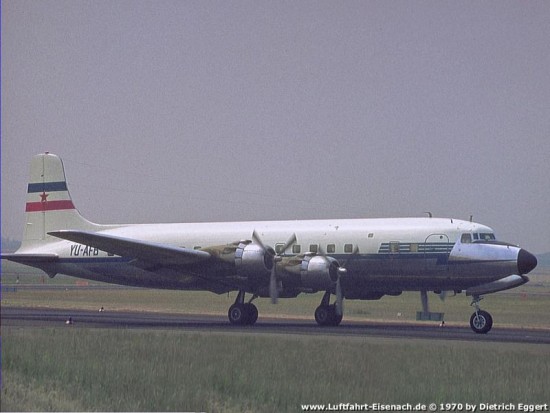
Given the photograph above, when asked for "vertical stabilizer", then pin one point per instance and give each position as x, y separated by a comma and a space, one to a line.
49, 205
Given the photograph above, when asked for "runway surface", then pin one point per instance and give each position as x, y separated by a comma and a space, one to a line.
33, 317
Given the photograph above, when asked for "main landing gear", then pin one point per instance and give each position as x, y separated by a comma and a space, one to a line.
480, 321
241, 313
326, 314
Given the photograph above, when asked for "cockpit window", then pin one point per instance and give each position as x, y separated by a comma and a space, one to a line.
466, 238
487, 236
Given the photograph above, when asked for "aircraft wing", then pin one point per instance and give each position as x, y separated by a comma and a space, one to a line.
143, 251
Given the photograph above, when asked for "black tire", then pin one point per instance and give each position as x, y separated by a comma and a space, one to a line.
323, 315
237, 314
252, 313
481, 322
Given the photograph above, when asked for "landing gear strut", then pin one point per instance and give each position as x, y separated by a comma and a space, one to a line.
325, 314
480, 321
241, 313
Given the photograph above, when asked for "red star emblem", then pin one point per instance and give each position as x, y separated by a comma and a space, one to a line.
44, 195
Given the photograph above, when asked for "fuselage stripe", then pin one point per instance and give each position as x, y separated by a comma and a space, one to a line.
419, 248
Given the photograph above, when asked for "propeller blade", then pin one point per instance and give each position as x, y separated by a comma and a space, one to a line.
288, 243
273, 288
320, 250
257, 240
352, 256
321, 253
339, 304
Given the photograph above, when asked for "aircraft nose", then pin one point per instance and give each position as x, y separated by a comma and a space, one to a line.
526, 261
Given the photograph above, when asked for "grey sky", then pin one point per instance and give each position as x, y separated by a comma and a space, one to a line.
180, 111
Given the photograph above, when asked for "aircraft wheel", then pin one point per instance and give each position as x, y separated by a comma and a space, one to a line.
324, 316
481, 322
237, 314
252, 313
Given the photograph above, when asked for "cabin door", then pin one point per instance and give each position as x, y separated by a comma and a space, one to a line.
436, 252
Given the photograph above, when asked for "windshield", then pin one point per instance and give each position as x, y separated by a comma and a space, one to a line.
487, 236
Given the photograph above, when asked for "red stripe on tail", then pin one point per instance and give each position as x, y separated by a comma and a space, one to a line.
49, 206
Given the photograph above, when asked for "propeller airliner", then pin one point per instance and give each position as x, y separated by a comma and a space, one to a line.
354, 259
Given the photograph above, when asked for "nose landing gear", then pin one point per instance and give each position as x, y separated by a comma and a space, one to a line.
481, 321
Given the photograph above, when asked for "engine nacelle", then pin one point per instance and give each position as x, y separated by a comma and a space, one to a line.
314, 272
319, 272
251, 260
248, 259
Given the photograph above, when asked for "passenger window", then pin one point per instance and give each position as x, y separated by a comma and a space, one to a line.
371, 235
331, 249
394, 247
296, 249
466, 238
313, 248
279, 248
414, 248
476, 237
348, 248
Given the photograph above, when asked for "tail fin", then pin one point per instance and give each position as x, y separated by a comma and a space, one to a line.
49, 204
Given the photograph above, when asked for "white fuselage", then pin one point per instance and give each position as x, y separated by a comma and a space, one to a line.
391, 255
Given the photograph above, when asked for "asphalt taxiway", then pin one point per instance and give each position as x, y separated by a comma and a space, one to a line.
39, 317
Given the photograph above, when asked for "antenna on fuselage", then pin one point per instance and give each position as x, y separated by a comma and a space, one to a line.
429, 214
471, 218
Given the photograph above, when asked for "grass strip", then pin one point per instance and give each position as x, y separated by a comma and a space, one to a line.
140, 370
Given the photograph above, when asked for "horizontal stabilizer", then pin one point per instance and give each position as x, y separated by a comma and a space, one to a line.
30, 258
505, 283
162, 254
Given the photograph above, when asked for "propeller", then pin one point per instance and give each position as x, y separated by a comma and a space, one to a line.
339, 304
273, 284
353, 255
